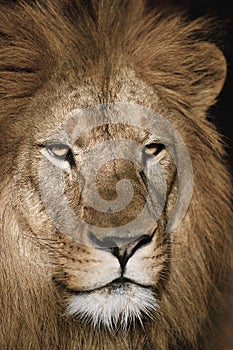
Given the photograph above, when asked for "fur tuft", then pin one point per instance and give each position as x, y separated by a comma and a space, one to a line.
113, 309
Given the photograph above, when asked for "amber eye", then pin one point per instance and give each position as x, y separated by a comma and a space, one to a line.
60, 151
152, 149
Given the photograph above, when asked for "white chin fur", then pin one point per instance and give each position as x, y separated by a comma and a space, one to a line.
114, 307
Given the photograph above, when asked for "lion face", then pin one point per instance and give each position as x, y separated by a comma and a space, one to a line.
109, 267
115, 198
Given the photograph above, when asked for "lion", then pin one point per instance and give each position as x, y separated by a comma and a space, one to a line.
75, 76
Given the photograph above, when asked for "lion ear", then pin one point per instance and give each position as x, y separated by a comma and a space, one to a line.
211, 72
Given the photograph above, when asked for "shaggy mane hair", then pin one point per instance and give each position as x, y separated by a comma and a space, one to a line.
42, 41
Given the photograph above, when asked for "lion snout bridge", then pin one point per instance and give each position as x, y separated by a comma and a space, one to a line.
119, 195
121, 245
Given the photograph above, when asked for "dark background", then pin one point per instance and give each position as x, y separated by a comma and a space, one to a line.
223, 12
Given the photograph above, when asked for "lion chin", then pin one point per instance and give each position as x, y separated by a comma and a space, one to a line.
116, 305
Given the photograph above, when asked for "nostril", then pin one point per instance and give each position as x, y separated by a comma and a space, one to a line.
105, 243
130, 248
141, 242
117, 246
124, 252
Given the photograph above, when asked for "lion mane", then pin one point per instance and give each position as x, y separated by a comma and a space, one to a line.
41, 42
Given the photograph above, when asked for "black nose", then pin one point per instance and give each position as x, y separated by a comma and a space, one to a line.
123, 249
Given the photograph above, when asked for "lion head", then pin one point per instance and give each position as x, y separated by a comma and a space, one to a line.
115, 195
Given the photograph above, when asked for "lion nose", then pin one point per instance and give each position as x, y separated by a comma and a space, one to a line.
122, 249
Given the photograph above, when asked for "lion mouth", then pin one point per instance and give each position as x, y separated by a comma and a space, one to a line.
121, 283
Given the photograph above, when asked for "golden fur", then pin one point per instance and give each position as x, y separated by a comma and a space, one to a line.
107, 51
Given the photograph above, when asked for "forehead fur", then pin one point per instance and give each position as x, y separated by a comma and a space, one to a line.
41, 39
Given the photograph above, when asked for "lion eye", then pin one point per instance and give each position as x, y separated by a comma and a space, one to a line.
59, 151
152, 149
